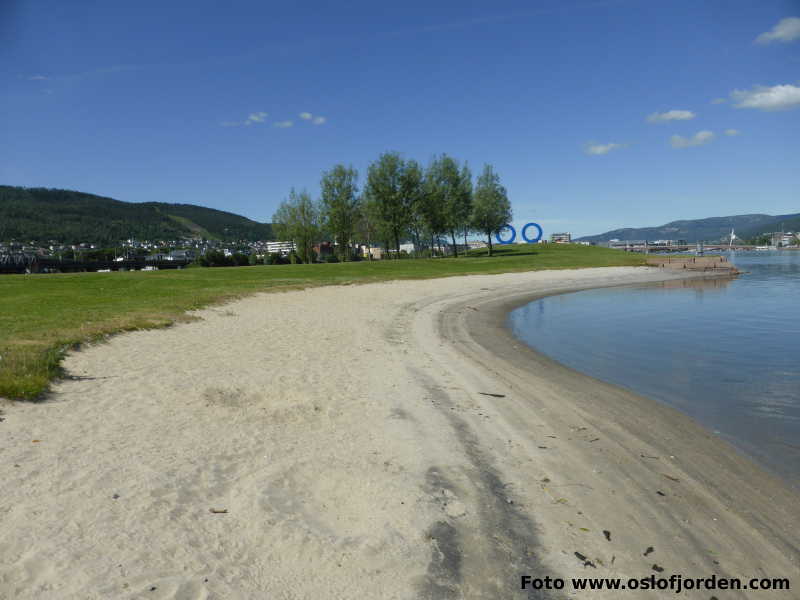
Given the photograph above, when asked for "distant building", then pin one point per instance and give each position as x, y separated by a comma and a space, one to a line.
376, 252
779, 239
626, 244
561, 238
323, 249
181, 255
280, 247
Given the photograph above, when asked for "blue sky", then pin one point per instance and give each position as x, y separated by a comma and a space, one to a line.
597, 114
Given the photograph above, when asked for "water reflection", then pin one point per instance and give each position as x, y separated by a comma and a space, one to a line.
700, 285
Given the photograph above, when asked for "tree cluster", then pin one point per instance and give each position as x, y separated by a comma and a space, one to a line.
400, 200
215, 258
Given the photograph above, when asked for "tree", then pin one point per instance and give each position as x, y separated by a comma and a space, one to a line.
449, 197
464, 209
491, 209
340, 206
384, 191
412, 184
367, 224
297, 219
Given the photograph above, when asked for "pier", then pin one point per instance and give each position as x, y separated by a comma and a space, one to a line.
715, 264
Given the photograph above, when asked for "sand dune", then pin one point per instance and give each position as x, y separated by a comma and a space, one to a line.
375, 441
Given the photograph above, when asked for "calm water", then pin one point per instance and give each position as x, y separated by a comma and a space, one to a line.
725, 352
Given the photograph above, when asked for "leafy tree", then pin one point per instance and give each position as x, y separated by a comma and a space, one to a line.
449, 197
465, 200
297, 219
491, 209
215, 258
368, 224
765, 239
412, 188
384, 192
340, 206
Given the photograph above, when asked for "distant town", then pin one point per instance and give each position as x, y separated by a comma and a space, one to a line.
133, 254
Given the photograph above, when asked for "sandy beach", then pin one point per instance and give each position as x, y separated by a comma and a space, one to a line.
387, 440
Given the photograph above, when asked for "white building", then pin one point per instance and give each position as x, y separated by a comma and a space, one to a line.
280, 247
561, 238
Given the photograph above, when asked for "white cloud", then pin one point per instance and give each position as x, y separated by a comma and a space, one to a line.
315, 120
599, 149
719, 101
777, 97
786, 30
252, 118
671, 115
38, 78
257, 117
698, 139
732, 132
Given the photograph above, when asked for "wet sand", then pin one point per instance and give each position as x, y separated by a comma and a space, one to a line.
380, 441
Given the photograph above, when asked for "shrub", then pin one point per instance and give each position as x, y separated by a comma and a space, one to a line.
240, 260
274, 258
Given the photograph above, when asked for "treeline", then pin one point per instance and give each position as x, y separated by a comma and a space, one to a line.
400, 200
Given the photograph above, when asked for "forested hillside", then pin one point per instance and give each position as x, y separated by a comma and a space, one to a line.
711, 229
41, 214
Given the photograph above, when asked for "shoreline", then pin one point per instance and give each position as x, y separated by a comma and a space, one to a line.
386, 439
547, 362
661, 454
732, 442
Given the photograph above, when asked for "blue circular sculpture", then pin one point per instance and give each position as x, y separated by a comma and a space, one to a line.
509, 240
525, 233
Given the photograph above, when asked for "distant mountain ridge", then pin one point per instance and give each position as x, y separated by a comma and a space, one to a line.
66, 216
710, 230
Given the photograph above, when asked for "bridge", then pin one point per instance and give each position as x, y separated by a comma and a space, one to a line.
652, 248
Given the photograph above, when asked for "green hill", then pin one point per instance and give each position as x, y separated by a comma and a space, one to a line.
781, 223
40, 214
710, 230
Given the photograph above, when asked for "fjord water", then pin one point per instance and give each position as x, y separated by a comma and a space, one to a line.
725, 352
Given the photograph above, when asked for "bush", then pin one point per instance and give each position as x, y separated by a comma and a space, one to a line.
274, 258
216, 258
213, 258
240, 260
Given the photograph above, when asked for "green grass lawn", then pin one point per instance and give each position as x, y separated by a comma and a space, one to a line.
42, 316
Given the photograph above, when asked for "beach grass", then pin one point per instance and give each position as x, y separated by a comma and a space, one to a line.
44, 316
